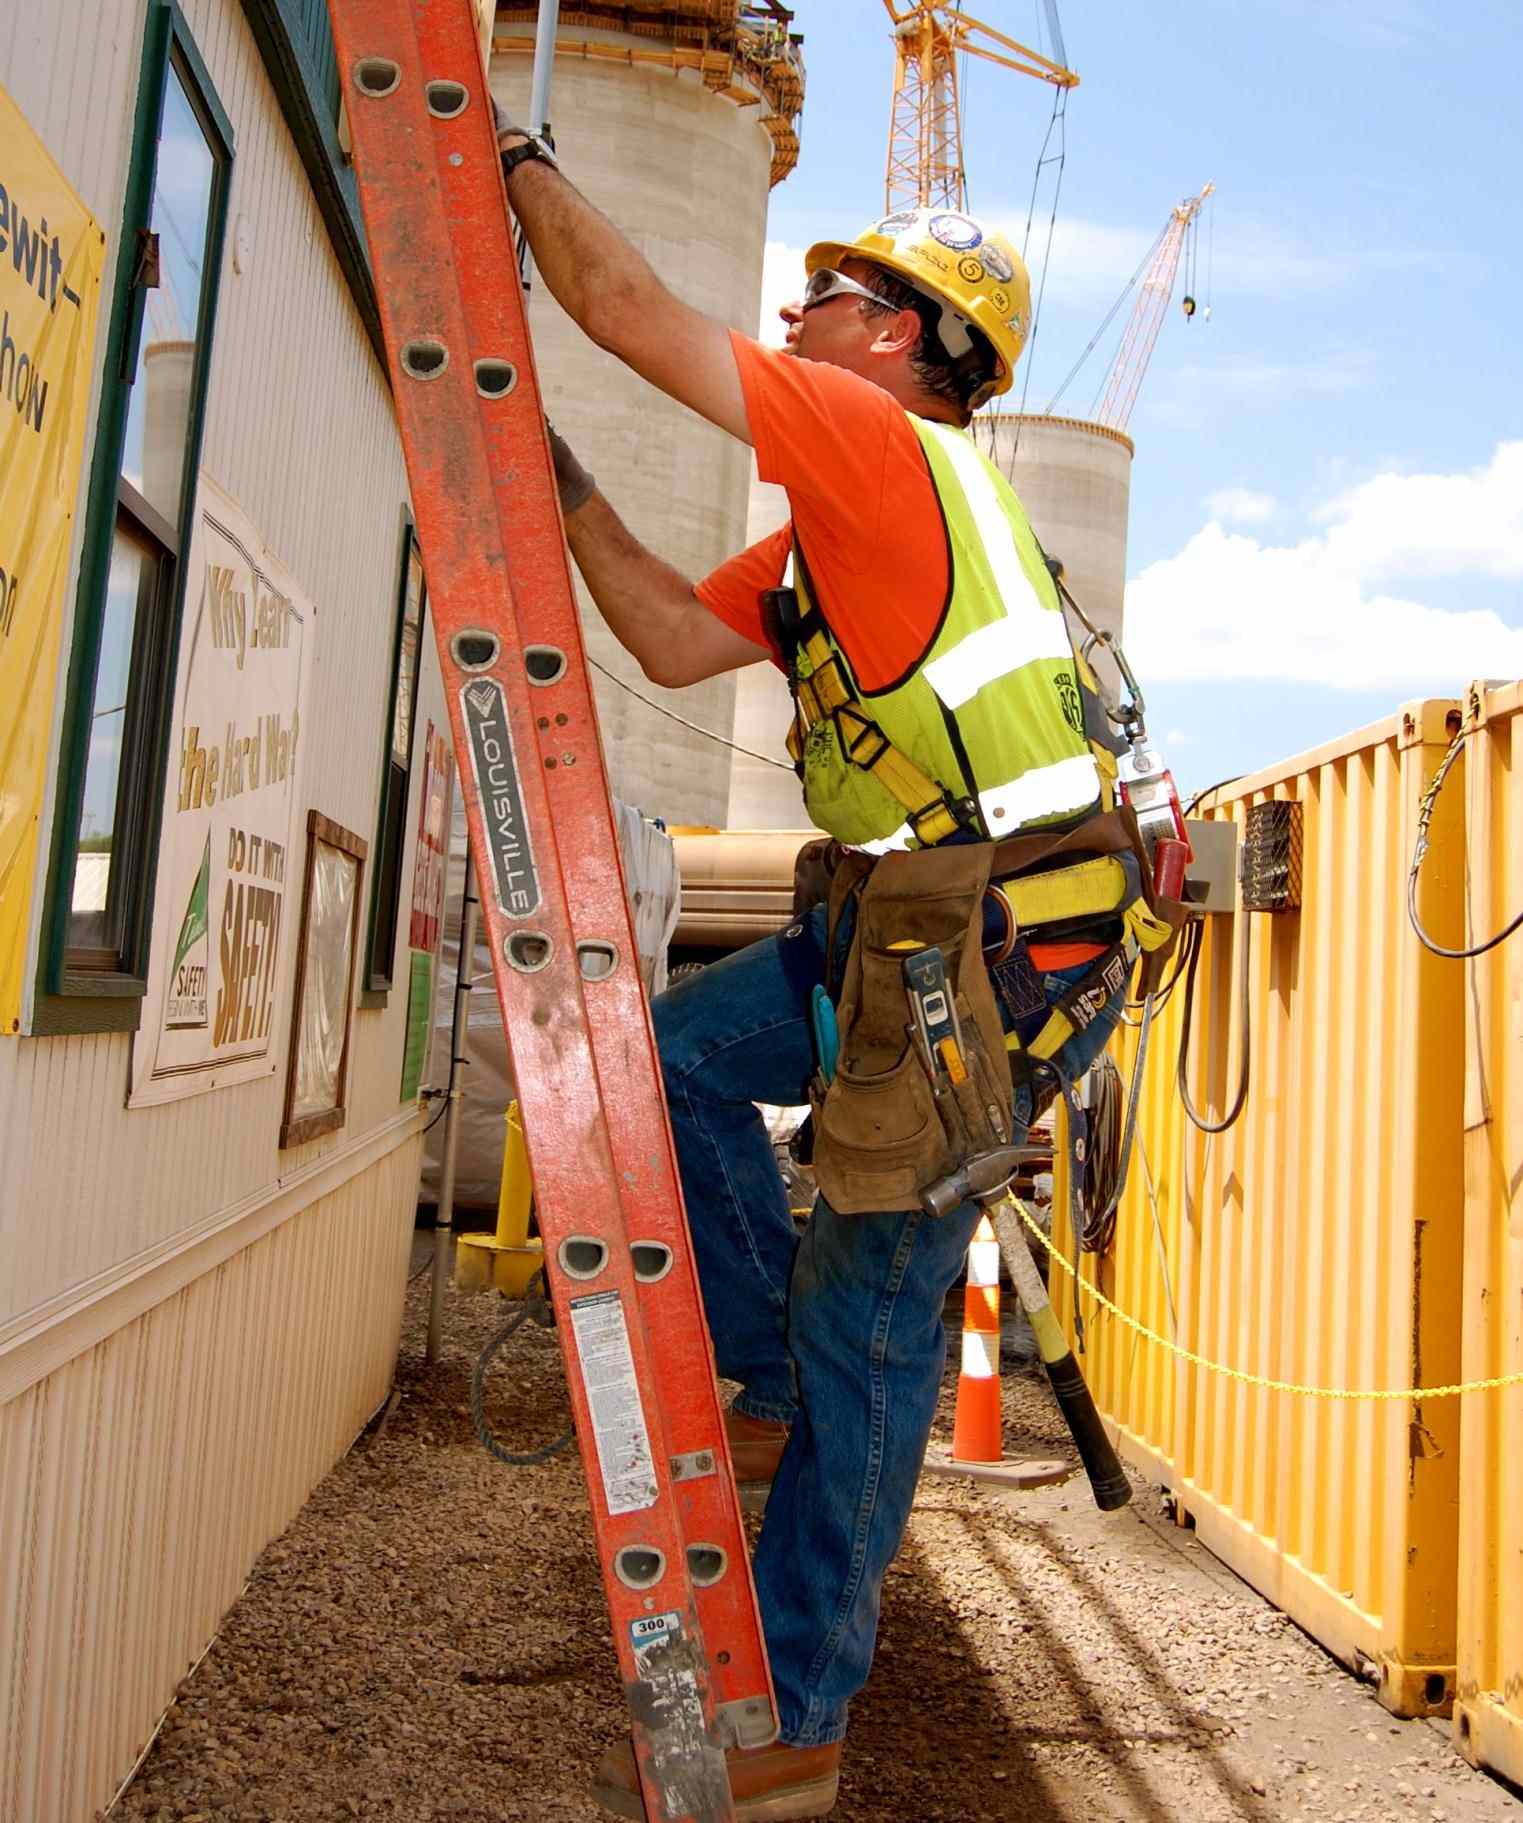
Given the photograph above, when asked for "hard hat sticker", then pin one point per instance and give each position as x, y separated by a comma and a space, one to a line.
997, 262
956, 232
896, 224
515, 880
970, 271
1000, 299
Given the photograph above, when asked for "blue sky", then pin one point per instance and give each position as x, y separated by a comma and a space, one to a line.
1327, 499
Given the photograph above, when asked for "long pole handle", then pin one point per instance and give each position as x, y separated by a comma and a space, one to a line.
539, 105
1106, 1475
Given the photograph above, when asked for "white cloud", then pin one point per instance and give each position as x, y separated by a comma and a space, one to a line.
1433, 525
1240, 506
1180, 737
782, 283
1227, 606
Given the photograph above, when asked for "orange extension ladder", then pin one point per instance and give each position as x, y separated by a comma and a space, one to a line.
668, 1525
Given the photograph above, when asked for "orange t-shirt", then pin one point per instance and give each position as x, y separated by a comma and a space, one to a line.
867, 515
868, 520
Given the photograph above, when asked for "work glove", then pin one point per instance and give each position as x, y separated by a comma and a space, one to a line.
572, 482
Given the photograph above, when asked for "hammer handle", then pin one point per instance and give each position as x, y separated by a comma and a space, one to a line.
1106, 1476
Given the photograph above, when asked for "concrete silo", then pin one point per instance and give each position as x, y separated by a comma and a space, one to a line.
675, 119
1074, 480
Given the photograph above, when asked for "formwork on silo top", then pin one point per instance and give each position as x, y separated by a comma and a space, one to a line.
1488, 1713
1318, 1240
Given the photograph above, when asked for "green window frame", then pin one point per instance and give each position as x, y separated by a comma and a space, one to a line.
143, 527
399, 742
295, 40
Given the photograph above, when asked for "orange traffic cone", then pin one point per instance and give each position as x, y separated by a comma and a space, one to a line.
977, 1434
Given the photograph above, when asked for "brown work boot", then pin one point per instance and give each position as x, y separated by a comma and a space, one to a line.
756, 1448
769, 1784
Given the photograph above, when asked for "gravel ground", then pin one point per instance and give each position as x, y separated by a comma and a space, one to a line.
428, 1641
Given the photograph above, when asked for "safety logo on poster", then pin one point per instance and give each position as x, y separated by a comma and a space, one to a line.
231, 856
52, 252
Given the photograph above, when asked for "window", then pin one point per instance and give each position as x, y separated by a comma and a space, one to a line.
391, 834
142, 494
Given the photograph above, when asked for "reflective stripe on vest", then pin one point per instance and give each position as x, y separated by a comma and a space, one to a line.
1029, 628
993, 714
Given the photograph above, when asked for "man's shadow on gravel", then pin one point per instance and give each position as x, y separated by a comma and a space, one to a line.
933, 1738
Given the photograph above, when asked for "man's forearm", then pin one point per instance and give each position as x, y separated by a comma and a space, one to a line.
592, 271
645, 601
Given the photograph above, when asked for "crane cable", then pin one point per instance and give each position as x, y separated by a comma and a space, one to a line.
1110, 316
1059, 122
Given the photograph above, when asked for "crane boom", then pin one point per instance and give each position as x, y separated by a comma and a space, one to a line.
1141, 333
925, 163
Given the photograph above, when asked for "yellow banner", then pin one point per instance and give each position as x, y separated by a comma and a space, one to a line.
51, 255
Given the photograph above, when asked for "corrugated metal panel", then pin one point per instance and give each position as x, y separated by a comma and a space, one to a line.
1489, 1714
300, 431
138, 1483
1319, 1239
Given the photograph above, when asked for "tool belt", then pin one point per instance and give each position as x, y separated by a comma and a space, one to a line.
884, 1129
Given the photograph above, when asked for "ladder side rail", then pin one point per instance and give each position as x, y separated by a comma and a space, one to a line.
623, 1042
641, 1546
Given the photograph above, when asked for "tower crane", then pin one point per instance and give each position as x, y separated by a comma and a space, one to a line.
1158, 273
925, 167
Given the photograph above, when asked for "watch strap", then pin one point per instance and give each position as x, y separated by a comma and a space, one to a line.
532, 147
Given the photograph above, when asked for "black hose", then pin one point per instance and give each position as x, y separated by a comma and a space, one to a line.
534, 1306
1181, 1074
1419, 855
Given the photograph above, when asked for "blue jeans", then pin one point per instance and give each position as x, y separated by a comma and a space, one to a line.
838, 1334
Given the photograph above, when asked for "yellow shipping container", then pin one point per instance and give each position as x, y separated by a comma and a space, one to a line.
1318, 1240
1488, 1715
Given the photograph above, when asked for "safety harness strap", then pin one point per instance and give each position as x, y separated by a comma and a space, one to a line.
1143, 932
932, 813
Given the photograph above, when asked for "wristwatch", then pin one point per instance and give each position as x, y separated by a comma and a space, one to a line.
533, 147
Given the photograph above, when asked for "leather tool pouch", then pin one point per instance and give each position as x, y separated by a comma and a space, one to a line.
813, 869
885, 1128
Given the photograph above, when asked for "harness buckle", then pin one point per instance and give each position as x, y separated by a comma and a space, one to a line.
857, 738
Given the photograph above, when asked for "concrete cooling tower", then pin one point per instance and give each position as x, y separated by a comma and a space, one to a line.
1074, 480
675, 120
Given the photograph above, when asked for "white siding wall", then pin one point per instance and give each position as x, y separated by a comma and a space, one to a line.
140, 1481
193, 1324
299, 430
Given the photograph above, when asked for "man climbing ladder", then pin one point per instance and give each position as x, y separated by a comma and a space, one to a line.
941, 731
940, 724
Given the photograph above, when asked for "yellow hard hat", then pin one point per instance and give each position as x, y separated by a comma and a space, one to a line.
973, 271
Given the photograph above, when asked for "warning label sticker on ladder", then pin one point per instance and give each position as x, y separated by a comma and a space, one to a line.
613, 1394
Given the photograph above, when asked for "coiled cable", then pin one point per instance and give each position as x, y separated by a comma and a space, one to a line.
536, 1307
1102, 1155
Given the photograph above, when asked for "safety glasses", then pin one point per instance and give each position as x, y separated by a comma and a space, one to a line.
827, 283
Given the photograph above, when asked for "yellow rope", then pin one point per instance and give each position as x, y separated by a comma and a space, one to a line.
1236, 1373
